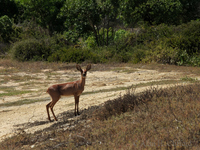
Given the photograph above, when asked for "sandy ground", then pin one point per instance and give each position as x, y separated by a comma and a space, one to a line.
13, 117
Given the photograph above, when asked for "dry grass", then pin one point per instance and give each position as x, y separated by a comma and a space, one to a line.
15, 66
153, 119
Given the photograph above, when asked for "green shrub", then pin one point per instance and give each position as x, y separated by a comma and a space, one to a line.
105, 54
72, 54
30, 49
185, 59
187, 37
162, 54
168, 44
147, 34
123, 57
91, 42
120, 35
137, 56
71, 36
106, 36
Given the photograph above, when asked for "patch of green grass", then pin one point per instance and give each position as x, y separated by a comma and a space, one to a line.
14, 92
189, 79
11, 66
16, 78
22, 102
50, 74
70, 104
124, 70
163, 82
7, 88
8, 71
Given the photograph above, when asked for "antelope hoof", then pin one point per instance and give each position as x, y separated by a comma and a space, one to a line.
77, 114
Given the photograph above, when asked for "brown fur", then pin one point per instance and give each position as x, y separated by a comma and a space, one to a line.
67, 89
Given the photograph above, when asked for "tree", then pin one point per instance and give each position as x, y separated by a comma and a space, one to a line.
81, 17
110, 12
5, 28
45, 13
9, 8
151, 11
91, 16
190, 10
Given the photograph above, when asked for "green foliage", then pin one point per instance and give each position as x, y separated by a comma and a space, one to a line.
157, 12
71, 36
30, 29
162, 54
168, 44
186, 78
31, 49
187, 38
109, 11
120, 34
99, 55
97, 24
190, 10
9, 8
90, 42
80, 16
117, 38
162, 44
106, 36
45, 13
91, 18
71, 54
5, 28
137, 56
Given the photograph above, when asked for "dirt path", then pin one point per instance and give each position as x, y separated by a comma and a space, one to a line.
100, 87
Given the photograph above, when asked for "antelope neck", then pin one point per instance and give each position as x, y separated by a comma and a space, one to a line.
83, 81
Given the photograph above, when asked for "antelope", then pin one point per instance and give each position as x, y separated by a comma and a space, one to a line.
67, 89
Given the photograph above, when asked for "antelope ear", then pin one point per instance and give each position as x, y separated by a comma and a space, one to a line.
88, 67
79, 68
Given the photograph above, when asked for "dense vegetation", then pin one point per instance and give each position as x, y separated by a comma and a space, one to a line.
101, 30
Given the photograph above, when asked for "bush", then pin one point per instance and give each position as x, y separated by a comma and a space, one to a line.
178, 45
123, 56
99, 55
104, 54
30, 49
137, 56
71, 54
146, 34
162, 54
91, 42
187, 38
112, 54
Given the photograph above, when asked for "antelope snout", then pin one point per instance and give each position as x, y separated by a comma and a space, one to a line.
84, 74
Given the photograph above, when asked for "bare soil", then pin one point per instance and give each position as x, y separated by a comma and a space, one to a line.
101, 85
